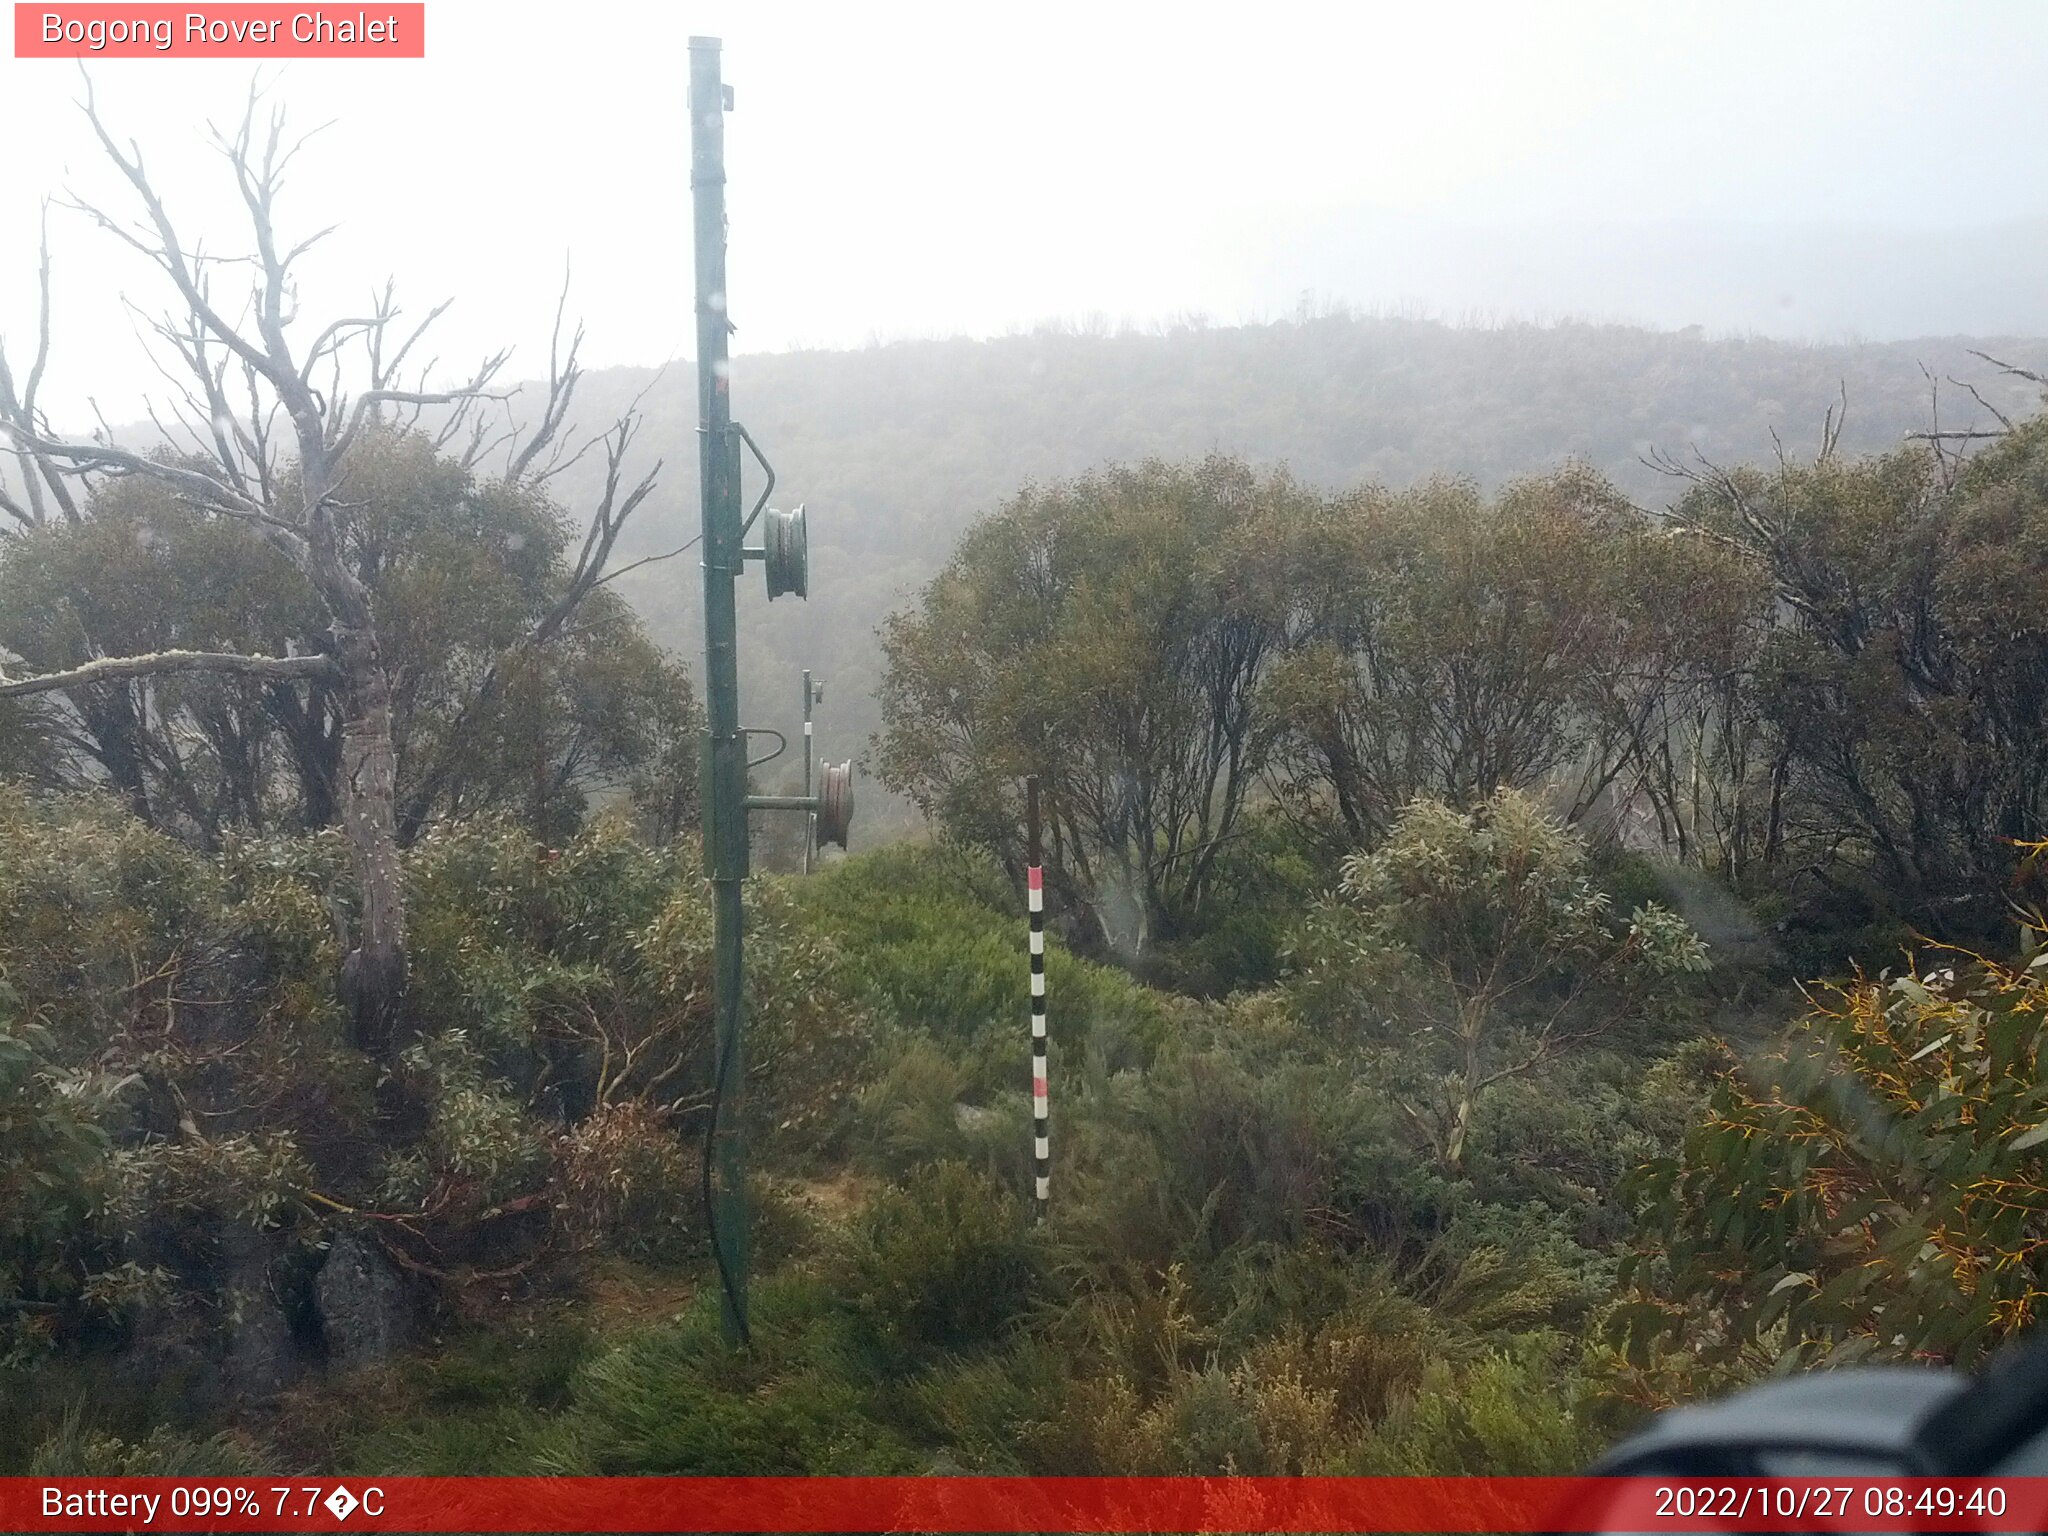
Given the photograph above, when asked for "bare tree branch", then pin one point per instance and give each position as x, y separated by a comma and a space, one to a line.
1977, 395
680, 549
110, 669
335, 336
36, 471
562, 381
382, 373
214, 495
1831, 427
1948, 468
369, 399
17, 511
2010, 368
169, 253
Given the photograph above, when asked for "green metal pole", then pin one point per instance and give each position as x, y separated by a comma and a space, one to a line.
725, 748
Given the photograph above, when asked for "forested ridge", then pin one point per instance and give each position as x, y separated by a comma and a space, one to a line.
897, 448
1536, 937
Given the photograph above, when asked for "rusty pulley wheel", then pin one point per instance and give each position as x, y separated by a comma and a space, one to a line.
787, 554
835, 803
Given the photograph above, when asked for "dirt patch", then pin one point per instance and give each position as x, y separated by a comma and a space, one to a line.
835, 1198
620, 1295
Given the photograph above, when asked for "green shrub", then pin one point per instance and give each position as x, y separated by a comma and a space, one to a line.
1208, 1422
1134, 1324
910, 1115
551, 1081
253, 1180
75, 1449
1251, 1156
943, 1261
935, 942
1515, 1414
1263, 877
1475, 947
489, 1403
976, 1408
681, 1401
497, 1439
1089, 1429
629, 1183
53, 1177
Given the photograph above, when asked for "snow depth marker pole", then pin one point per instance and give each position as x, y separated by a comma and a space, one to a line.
1041, 1145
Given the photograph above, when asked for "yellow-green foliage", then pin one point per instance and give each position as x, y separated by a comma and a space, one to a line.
626, 1181
75, 1449
1508, 1415
1875, 1187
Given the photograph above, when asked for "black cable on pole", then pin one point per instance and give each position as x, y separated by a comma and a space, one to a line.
726, 1279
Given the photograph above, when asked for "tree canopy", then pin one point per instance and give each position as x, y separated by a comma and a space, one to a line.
458, 569
1479, 943
1109, 636
1823, 684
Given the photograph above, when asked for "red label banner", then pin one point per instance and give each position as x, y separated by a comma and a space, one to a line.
1022, 1504
233, 31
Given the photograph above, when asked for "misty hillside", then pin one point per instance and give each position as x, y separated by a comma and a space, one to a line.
896, 449
1814, 279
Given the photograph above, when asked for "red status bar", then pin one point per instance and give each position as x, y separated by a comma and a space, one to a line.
1022, 1504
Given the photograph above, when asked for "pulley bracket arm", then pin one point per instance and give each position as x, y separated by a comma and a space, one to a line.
766, 469
781, 744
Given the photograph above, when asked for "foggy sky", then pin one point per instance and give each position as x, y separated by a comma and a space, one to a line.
1824, 170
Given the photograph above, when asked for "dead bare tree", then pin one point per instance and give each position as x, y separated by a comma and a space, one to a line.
261, 432
40, 478
1952, 445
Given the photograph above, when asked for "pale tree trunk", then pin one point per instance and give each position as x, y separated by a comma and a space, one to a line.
374, 975
1461, 1125
1471, 1025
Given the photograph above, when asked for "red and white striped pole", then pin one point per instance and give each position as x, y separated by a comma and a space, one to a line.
1041, 1145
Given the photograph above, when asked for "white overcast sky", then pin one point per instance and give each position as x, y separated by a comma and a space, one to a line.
902, 170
